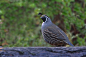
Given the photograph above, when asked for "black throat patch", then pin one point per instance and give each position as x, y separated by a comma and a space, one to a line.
44, 19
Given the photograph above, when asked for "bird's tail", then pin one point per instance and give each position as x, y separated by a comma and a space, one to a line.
70, 44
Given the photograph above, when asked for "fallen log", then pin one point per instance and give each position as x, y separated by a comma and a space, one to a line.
43, 52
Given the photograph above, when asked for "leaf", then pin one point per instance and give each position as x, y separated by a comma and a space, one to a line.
32, 5
59, 0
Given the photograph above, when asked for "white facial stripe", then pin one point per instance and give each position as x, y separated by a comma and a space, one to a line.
46, 19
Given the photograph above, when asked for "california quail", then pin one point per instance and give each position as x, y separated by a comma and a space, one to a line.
52, 34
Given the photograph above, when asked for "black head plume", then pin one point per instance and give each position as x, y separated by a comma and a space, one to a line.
40, 14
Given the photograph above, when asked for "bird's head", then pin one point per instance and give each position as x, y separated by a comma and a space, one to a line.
45, 18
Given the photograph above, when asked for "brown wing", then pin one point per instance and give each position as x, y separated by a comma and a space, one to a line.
53, 36
54, 33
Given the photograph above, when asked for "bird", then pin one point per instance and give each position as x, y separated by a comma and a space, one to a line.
52, 34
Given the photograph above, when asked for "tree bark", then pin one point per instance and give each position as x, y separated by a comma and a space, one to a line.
43, 52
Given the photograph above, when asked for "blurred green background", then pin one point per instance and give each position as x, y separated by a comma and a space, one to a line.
20, 25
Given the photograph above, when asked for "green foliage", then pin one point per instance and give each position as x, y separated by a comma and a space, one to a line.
81, 41
20, 24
